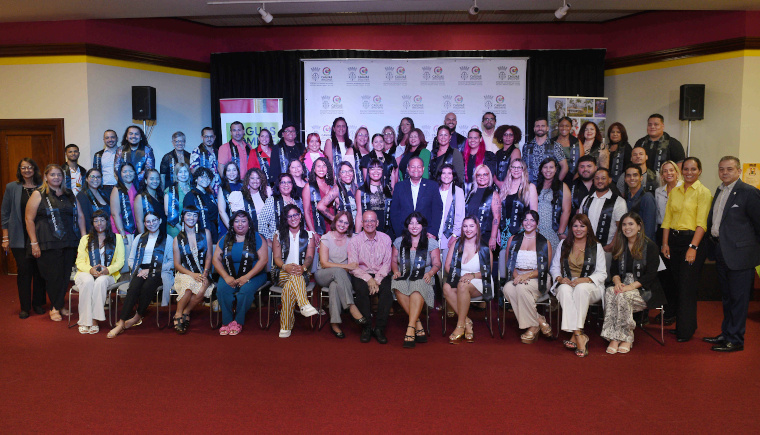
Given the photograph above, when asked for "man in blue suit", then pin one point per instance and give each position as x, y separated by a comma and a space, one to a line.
416, 194
733, 227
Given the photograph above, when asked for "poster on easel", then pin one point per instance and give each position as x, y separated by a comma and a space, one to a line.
579, 110
751, 174
256, 114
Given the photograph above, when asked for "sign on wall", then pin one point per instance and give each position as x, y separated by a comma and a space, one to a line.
579, 110
255, 114
379, 92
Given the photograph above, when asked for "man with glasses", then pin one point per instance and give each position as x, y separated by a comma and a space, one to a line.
488, 126
203, 156
541, 147
108, 160
286, 150
371, 251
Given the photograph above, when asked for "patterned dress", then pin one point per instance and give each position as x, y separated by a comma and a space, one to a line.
545, 215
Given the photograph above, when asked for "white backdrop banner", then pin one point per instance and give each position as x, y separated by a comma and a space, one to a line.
379, 92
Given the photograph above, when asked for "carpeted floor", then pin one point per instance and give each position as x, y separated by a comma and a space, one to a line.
154, 381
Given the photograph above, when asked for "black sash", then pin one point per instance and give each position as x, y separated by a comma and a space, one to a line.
149, 203
358, 173
170, 162
503, 159
605, 218
542, 259
156, 261
639, 269
235, 154
202, 209
651, 182
279, 205
448, 158
337, 156
515, 215
173, 197
661, 153
94, 204
448, 226
186, 254
137, 157
264, 165
284, 161
94, 248
455, 269
383, 215
97, 161
485, 214
346, 201
617, 163
320, 225
557, 208
125, 210
303, 243
54, 215
575, 154
589, 263
250, 208
204, 156
249, 258
412, 269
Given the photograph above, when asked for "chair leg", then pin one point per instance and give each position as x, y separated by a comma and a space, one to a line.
443, 317
489, 314
661, 341
69, 325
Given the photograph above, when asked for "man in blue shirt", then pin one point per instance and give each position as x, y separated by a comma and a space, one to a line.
640, 201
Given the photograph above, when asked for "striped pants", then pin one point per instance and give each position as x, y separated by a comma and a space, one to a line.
293, 290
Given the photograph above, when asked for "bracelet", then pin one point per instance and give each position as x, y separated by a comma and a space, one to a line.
34, 243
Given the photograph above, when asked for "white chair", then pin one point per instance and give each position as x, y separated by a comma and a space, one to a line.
472, 301
111, 290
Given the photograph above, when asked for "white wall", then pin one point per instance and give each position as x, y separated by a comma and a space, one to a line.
634, 96
48, 91
750, 151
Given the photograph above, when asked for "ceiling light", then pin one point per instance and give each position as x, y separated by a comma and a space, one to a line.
474, 9
266, 16
562, 11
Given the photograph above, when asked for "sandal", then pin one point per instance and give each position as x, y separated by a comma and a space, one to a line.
410, 340
546, 328
570, 344
625, 349
456, 338
420, 336
224, 330
112, 334
84, 329
176, 323
94, 329
186, 320
582, 353
235, 328
469, 336
529, 337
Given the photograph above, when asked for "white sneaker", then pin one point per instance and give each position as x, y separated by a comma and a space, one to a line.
308, 310
284, 333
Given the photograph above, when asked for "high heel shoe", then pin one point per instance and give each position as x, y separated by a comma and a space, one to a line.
456, 338
362, 321
529, 337
546, 328
582, 353
469, 336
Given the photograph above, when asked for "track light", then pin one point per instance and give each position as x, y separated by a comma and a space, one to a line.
266, 16
562, 11
474, 9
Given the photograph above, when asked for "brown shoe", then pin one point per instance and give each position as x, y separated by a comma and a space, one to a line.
55, 315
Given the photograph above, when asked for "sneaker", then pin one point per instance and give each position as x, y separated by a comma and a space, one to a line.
285, 333
308, 310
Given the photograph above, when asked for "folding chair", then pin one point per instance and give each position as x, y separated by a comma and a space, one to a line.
275, 291
110, 290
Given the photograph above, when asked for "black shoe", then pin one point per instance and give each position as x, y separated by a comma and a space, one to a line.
340, 334
714, 340
682, 339
380, 336
672, 331
362, 322
39, 310
670, 320
728, 347
23, 314
366, 334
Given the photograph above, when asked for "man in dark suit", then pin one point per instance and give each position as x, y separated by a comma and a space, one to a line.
416, 194
734, 229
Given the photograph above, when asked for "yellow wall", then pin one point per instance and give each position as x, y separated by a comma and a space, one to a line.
750, 145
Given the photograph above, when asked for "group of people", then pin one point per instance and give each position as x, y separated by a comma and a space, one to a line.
390, 216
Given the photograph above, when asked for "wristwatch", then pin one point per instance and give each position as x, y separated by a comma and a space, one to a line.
694, 247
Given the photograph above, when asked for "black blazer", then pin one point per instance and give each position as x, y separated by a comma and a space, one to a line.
739, 232
428, 203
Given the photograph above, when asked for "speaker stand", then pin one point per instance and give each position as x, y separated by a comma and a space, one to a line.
688, 141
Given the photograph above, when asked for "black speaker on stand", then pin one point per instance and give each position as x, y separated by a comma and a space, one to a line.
692, 107
144, 103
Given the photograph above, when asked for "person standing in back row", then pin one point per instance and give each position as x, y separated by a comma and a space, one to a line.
660, 146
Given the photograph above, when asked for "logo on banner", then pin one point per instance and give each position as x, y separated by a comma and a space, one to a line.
406, 102
508, 75
500, 107
513, 70
352, 73
502, 72
395, 76
426, 74
314, 73
364, 71
475, 73
488, 102
326, 71
315, 128
372, 105
357, 76
365, 101
459, 103
438, 71
513, 73
336, 101
400, 71
464, 72
389, 73
326, 129
321, 76
447, 103
325, 101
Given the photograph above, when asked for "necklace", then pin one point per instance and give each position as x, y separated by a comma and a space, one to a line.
529, 238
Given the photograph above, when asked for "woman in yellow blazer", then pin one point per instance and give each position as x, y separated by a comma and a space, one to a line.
683, 228
100, 257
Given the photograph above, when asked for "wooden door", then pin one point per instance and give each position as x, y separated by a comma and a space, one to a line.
39, 139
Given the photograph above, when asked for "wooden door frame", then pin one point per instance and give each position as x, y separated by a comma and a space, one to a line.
55, 124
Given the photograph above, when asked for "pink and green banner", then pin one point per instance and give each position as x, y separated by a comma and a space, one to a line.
256, 114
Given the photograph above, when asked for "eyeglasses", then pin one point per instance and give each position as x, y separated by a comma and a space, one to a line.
26, 168
294, 216
481, 175
289, 132
516, 167
285, 183
96, 177
489, 119
370, 221
389, 133
509, 134
347, 171
152, 221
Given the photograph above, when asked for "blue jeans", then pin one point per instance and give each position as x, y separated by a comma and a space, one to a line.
244, 295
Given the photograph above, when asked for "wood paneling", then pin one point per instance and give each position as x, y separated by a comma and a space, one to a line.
723, 46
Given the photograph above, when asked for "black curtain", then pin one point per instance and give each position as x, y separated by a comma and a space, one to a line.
278, 74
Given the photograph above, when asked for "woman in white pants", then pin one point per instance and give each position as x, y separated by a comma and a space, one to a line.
100, 257
579, 272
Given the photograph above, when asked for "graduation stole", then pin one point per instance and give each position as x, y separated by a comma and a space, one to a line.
589, 263
94, 248
448, 226
156, 261
412, 269
542, 259
186, 254
173, 196
455, 268
125, 209
319, 221
605, 218
249, 258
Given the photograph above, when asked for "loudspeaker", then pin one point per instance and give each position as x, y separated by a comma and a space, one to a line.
692, 103
144, 103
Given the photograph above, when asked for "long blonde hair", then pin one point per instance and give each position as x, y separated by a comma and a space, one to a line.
523, 192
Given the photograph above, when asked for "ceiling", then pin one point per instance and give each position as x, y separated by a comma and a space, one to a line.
345, 12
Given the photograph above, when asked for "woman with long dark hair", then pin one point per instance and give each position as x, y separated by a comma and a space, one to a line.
579, 273
375, 196
321, 181
255, 193
468, 267
529, 255
192, 262
509, 137
51, 223
390, 165
270, 216
174, 197
100, 257
261, 156
415, 260
620, 150
92, 198
390, 146
297, 169
202, 197
16, 237
405, 127
635, 260
342, 196
570, 146
293, 254
339, 146
554, 202
150, 200
591, 141
443, 153
229, 197
151, 261
416, 147
684, 228
240, 259
452, 198
122, 204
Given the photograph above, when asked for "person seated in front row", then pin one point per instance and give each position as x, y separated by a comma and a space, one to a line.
240, 259
528, 258
333, 274
579, 273
468, 266
151, 260
371, 250
192, 261
635, 260
100, 257
415, 261
293, 254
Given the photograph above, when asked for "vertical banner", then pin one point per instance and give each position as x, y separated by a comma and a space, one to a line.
255, 114
579, 110
377, 92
